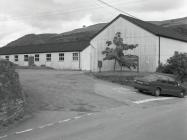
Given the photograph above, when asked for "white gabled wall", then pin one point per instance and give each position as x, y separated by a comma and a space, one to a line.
169, 46
132, 34
68, 62
85, 59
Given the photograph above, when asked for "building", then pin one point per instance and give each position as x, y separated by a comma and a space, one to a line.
69, 55
155, 45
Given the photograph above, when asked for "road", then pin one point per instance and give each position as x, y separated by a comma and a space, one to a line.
141, 117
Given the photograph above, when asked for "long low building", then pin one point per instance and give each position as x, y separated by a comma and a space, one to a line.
68, 55
155, 46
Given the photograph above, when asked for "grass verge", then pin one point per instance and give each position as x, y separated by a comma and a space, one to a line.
124, 78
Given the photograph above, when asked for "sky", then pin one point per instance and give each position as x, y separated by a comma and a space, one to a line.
21, 17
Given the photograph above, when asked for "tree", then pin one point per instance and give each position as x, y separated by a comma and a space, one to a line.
117, 53
177, 64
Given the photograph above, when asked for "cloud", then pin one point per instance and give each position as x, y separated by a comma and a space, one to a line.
160, 5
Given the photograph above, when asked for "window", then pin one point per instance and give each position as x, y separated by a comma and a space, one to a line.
61, 56
7, 57
162, 81
75, 56
15, 58
26, 58
37, 57
172, 81
48, 57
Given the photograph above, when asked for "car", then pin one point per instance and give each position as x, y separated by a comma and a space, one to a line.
158, 84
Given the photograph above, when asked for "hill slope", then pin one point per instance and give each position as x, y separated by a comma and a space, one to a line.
178, 25
77, 34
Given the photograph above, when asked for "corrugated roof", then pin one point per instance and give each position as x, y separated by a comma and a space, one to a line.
154, 29
45, 48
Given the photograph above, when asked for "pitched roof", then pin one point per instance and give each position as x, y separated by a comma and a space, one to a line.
81, 44
154, 29
46, 48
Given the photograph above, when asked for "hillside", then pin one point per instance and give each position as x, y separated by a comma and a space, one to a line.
77, 34
178, 25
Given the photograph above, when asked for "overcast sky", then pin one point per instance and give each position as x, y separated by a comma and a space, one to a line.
20, 17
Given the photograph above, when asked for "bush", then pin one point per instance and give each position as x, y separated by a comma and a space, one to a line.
163, 68
177, 65
11, 94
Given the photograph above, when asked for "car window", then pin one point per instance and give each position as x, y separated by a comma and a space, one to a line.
159, 77
162, 80
172, 83
150, 78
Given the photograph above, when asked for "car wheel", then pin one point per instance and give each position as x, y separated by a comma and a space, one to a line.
157, 92
181, 94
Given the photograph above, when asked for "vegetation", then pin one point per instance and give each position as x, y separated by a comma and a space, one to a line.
117, 53
11, 94
177, 64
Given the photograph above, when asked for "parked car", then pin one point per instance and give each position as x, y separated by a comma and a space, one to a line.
158, 84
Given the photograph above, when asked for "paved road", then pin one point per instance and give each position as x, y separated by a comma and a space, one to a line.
167, 122
142, 117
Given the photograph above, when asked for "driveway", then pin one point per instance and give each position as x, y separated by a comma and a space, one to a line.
71, 105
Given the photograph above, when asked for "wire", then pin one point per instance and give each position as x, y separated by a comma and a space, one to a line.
116, 8
57, 12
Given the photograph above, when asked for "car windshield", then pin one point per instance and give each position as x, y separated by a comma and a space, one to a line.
155, 77
150, 78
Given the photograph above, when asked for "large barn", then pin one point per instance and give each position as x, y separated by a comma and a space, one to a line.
155, 45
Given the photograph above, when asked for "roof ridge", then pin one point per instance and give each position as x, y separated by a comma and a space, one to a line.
150, 27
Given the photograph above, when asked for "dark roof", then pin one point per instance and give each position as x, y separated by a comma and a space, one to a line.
154, 29
45, 48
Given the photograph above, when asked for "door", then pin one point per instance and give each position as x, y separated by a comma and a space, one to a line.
31, 60
173, 88
163, 84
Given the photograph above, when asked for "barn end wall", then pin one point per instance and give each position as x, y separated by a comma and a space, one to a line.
169, 46
147, 49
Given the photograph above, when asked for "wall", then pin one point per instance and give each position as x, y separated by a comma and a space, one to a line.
85, 58
68, 62
169, 46
11, 95
132, 34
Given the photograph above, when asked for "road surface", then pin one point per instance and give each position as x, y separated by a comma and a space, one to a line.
141, 117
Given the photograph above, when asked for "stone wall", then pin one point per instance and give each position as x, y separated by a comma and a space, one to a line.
11, 95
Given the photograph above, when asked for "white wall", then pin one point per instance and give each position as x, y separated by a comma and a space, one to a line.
169, 46
68, 62
85, 59
21, 61
132, 34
